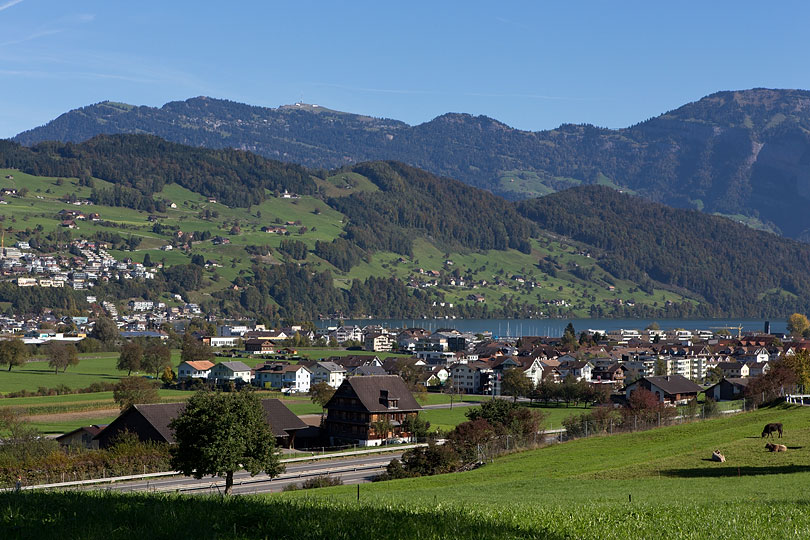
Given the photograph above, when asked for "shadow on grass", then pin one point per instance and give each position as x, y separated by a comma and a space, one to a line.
731, 470
98, 515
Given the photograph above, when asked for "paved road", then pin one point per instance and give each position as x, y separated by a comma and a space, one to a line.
350, 470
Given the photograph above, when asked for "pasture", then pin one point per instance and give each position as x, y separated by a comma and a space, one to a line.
653, 484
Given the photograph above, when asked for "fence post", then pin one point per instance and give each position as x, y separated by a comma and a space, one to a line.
586, 428
659, 419
611, 426
635, 423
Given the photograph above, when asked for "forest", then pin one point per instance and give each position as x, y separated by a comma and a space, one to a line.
734, 268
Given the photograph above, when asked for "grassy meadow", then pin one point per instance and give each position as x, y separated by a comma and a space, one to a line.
653, 484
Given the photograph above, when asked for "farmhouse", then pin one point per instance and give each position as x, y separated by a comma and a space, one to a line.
370, 410
728, 389
671, 389
151, 423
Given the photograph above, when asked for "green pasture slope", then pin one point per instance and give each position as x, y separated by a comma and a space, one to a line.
42, 203
580, 489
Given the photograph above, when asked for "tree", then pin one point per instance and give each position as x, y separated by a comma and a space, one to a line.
515, 384
382, 427
13, 352
105, 330
713, 375
321, 393
61, 355
147, 260
799, 364
130, 358
194, 350
569, 338
156, 358
135, 390
653, 326
219, 433
797, 324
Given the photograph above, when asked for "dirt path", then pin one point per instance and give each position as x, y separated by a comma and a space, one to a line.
70, 416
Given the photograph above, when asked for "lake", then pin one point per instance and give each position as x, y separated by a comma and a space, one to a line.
555, 327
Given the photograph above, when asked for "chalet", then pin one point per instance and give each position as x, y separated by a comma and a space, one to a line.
230, 371
672, 389
580, 370
260, 345
728, 388
370, 410
615, 373
353, 361
151, 423
200, 369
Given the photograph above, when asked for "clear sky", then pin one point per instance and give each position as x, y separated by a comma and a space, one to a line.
532, 65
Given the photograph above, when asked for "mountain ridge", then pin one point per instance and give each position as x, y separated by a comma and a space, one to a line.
731, 152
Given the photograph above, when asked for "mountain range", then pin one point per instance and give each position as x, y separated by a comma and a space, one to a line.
742, 154
262, 238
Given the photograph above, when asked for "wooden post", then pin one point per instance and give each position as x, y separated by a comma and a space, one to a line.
358, 492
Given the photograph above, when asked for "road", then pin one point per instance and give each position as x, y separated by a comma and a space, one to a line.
350, 470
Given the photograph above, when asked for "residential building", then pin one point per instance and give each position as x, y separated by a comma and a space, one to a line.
370, 410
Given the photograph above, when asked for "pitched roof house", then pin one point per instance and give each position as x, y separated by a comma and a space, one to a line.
194, 370
151, 422
361, 407
668, 389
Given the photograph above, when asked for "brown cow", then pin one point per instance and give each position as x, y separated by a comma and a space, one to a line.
776, 447
770, 429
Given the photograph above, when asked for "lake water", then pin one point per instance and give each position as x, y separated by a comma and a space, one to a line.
555, 327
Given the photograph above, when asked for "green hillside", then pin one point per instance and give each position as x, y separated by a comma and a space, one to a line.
652, 484
569, 282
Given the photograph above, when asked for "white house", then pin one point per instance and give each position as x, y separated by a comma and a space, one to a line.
194, 370
230, 341
230, 371
296, 378
329, 372
580, 370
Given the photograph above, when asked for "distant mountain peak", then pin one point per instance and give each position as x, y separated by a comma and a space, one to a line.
737, 152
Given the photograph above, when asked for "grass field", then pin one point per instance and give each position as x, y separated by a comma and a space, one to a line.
654, 484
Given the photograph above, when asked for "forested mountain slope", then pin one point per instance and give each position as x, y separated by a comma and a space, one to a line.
728, 264
740, 153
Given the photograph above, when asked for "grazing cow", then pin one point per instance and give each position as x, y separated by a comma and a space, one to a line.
770, 429
717, 456
776, 447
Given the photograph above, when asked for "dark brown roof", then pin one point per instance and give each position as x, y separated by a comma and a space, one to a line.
370, 389
92, 430
674, 384
159, 415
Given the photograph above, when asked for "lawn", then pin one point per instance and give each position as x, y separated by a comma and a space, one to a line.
654, 484
94, 367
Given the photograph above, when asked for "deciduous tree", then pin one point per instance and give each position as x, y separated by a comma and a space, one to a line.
61, 355
130, 358
220, 433
13, 352
515, 384
156, 358
134, 390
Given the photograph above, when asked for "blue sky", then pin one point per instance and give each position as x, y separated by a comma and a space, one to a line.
532, 65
